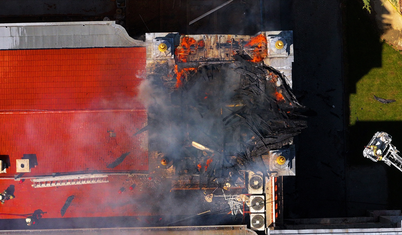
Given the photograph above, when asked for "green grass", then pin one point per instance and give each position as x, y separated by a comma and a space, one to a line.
384, 82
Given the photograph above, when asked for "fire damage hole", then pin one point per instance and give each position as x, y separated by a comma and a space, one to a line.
222, 118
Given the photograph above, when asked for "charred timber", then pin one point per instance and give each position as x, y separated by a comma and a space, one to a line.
239, 109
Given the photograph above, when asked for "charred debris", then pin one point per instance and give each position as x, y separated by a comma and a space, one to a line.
215, 121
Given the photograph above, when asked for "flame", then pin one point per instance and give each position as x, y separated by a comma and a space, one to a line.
201, 44
187, 44
181, 74
258, 40
260, 47
274, 77
184, 49
209, 161
279, 96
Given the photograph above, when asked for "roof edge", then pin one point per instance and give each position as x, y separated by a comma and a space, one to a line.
57, 35
57, 23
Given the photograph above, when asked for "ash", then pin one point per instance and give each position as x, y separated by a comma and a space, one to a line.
221, 119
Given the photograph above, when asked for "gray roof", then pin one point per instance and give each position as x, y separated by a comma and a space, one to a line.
65, 35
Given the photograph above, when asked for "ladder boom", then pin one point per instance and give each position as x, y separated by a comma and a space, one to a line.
380, 149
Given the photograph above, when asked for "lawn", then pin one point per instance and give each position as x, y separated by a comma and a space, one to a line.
384, 82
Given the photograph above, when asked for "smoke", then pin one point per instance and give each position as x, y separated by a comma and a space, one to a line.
79, 141
229, 108
221, 120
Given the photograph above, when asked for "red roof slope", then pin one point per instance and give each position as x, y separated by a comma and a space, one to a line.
91, 200
97, 86
70, 79
77, 110
74, 141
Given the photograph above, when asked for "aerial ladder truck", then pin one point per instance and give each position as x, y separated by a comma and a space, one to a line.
380, 149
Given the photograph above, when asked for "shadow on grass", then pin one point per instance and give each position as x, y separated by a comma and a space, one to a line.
364, 49
364, 52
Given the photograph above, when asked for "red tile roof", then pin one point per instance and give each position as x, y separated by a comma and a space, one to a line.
91, 200
74, 141
77, 110
70, 79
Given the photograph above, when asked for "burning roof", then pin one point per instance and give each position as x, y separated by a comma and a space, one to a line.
214, 103
216, 115
222, 111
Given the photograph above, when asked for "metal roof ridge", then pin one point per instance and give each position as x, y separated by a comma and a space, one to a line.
81, 34
57, 23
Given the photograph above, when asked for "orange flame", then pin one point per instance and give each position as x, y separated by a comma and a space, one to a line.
201, 44
181, 74
187, 44
209, 161
279, 96
184, 49
260, 47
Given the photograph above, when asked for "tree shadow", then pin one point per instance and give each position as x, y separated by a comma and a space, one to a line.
362, 39
370, 185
